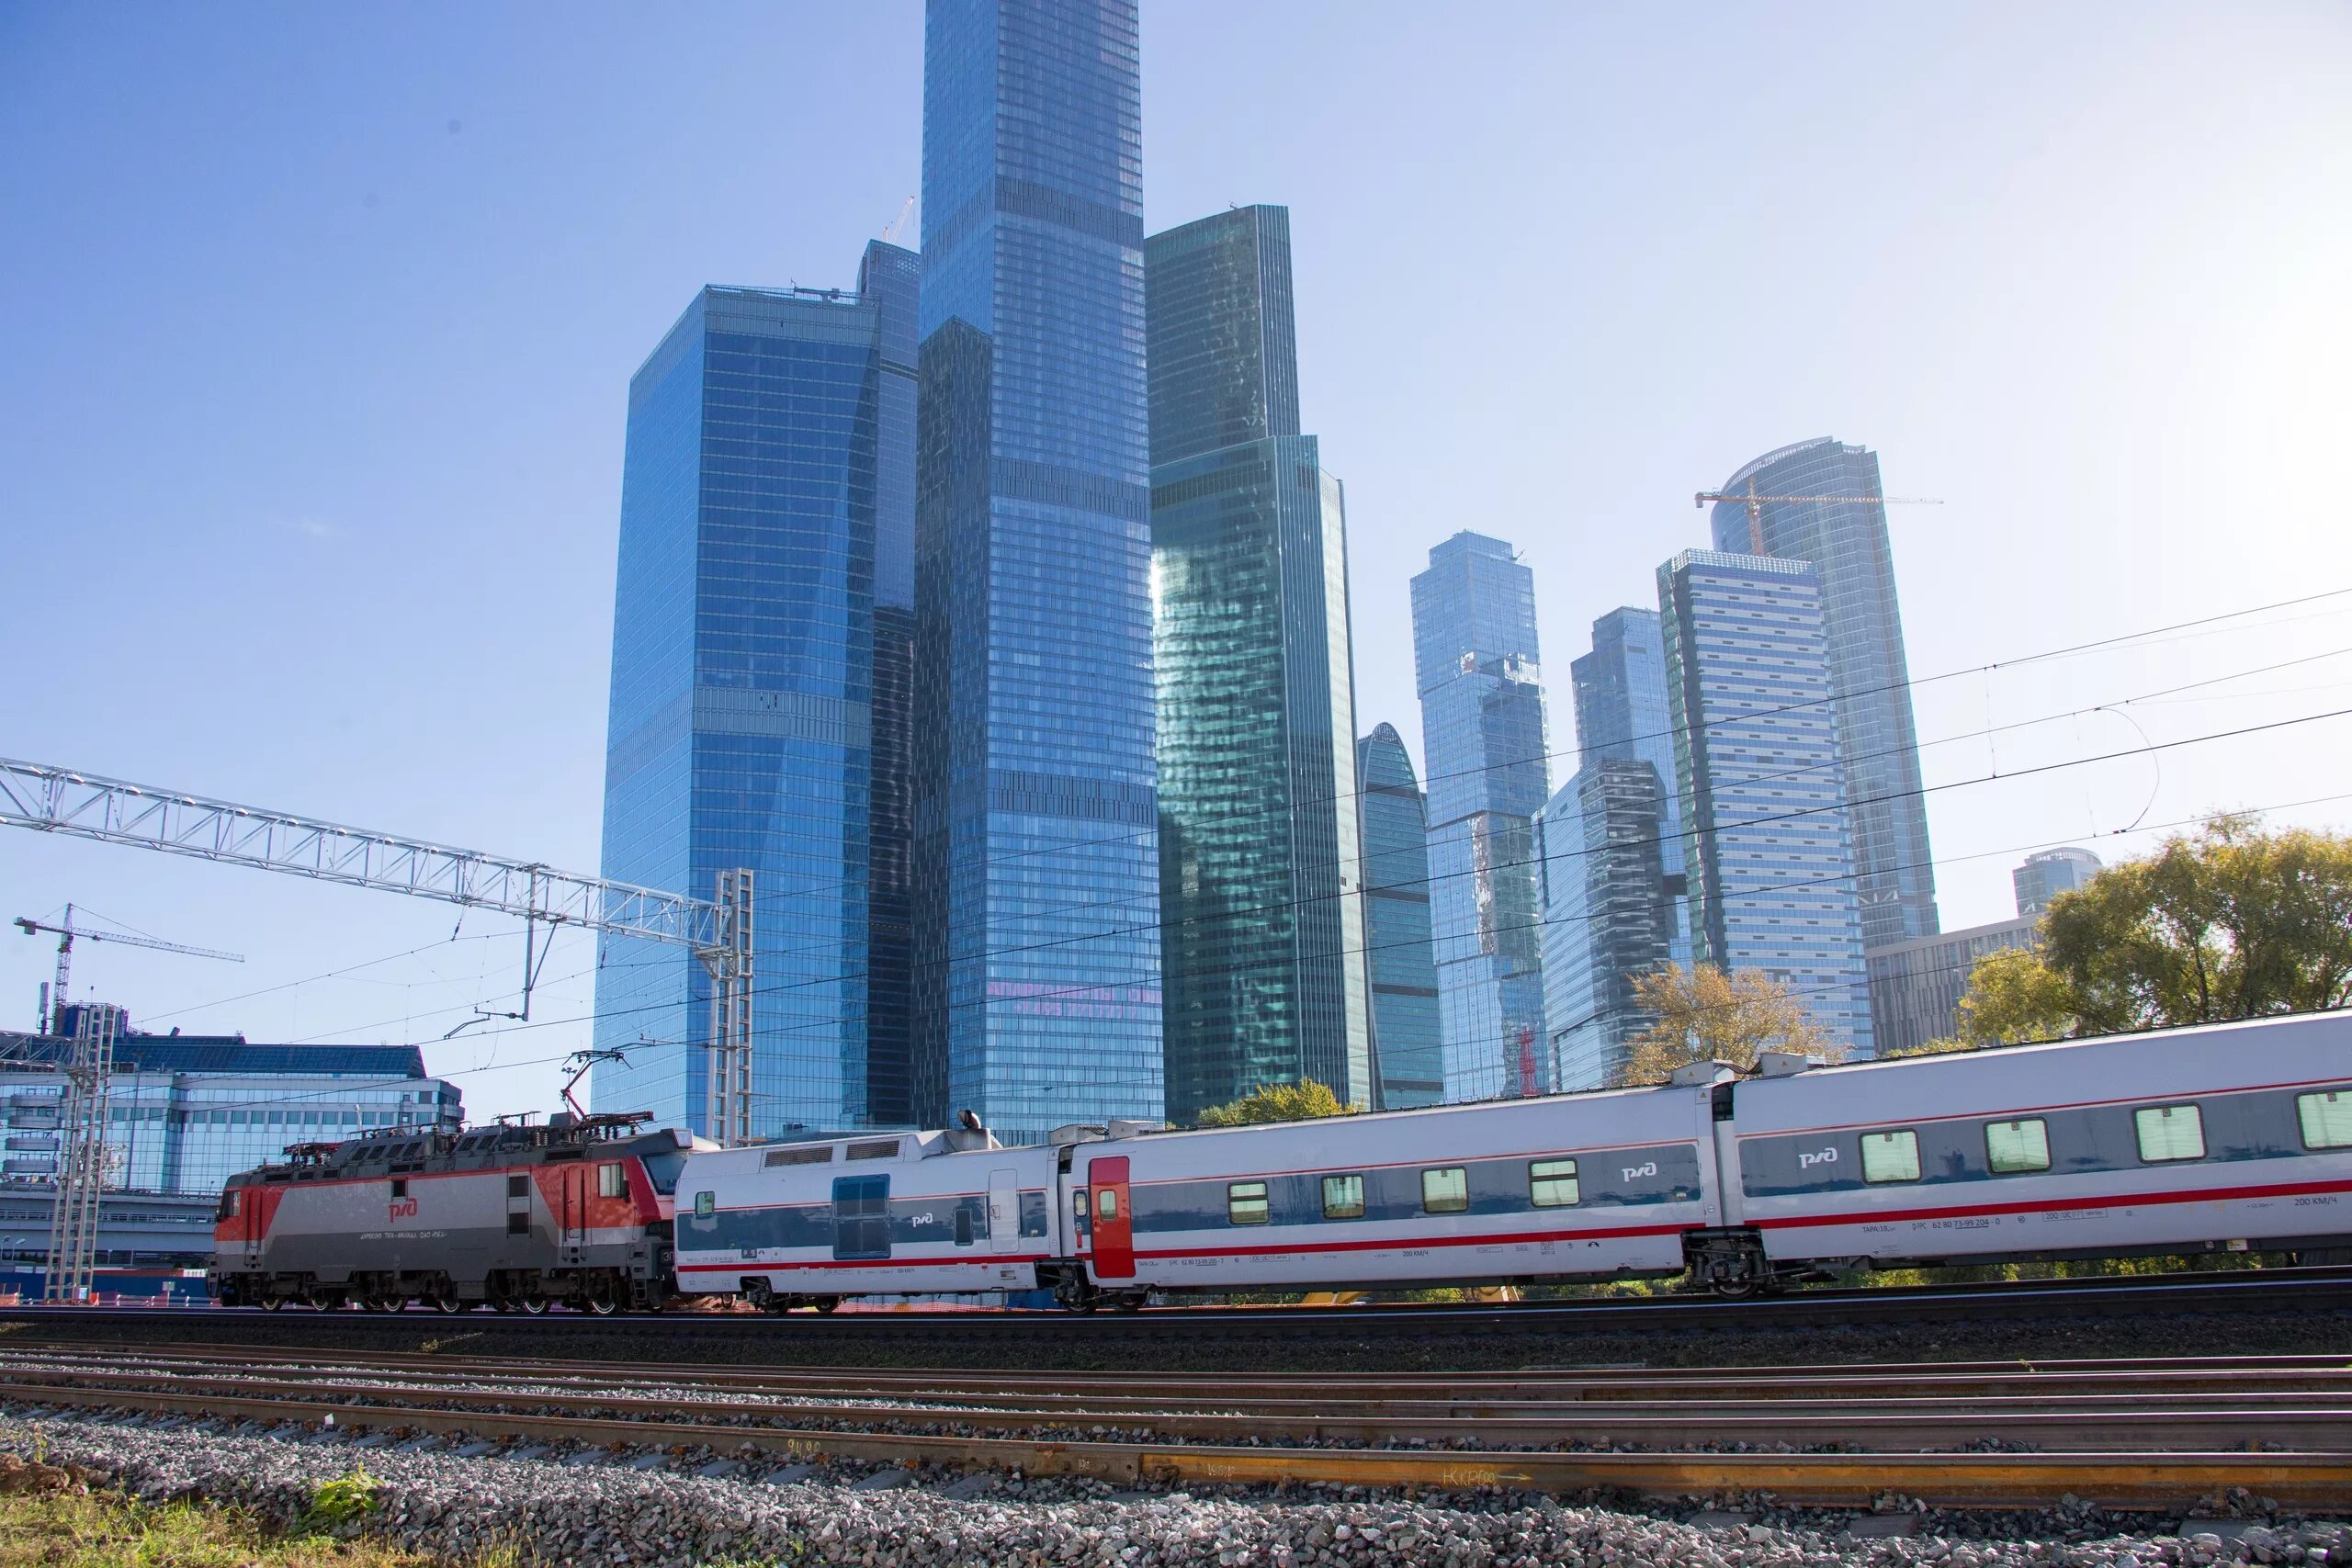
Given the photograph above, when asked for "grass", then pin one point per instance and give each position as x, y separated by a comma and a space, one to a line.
106, 1530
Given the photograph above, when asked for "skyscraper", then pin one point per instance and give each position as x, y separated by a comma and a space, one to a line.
1607, 915
762, 526
2049, 873
1756, 764
1036, 860
1622, 713
1481, 736
1261, 931
1408, 1041
1847, 544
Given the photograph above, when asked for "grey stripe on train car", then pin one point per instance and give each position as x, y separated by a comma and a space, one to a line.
1656, 1173
2093, 1139
914, 1222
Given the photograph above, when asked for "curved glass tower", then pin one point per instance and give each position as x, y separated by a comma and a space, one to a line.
1408, 1042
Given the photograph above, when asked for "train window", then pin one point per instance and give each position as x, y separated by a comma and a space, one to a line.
2169, 1132
1106, 1202
2014, 1146
1343, 1196
1078, 1208
885, 1148
963, 1225
2326, 1118
518, 1224
399, 1187
612, 1179
705, 1204
1245, 1202
1551, 1183
1891, 1157
229, 1203
1445, 1191
822, 1154
518, 1187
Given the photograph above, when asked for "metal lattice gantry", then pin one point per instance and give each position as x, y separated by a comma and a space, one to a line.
61, 800
81, 1159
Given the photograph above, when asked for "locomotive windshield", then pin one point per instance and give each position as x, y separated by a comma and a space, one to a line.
662, 1170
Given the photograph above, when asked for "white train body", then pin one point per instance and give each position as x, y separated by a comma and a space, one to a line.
2236, 1136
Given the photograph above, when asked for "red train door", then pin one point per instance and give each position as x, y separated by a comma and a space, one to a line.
1115, 1236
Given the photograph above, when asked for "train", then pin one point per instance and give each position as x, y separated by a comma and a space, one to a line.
2233, 1137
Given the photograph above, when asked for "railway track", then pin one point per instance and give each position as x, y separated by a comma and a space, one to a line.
2125, 1434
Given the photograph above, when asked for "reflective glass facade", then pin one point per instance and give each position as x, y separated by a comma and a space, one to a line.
1475, 663
1622, 713
2045, 875
1847, 544
766, 514
1608, 914
1407, 1039
1262, 932
1756, 764
1037, 859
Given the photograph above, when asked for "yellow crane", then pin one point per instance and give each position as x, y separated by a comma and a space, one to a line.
1754, 504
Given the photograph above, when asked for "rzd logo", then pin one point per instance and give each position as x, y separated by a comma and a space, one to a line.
1631, 1171
404, 1208
1827, 1157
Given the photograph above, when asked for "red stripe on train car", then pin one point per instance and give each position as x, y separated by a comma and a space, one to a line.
2113, 1200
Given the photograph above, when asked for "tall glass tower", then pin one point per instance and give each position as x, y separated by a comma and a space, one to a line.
1847, 544
1408, 1040
1261, 931
1608, 914
1623, 715
1757, 763
1482, 734
1036, 856
765, 523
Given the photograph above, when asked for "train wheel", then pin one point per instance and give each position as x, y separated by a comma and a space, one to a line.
450, 1303
273, 1304
536, 1305
324, 1300
826, 1304
1132, 1302
602, 1306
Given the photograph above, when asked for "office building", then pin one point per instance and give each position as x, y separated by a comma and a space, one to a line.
187, 1111
1622, 713
1407, 1038
1870, 680
1476, 663
2047, 874
1261, 931
759, 675
1609, 914
1917, 987
1771, 868
1036, 856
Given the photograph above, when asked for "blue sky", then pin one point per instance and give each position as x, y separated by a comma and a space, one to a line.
319, 320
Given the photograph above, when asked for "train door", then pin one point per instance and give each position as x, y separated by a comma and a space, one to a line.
1113, 1226
1004, 1210
573, 1215
252, 1222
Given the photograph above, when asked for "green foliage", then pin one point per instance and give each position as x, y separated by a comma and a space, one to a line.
343, 1503
1707, 1014
1937, 1047
1303, 1101
2229, 922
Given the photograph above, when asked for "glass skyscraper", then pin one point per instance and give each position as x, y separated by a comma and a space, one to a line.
1756, 764
1846, 543
766, 516
1036, 858
1408, 1040
1261, 931
1608, 914
1622, 713
2049, 873
1476, 662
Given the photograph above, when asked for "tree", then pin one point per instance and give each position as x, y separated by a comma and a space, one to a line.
1705, 1014
2229, 922
1303, 1101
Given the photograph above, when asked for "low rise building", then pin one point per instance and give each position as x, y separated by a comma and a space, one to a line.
1916, 986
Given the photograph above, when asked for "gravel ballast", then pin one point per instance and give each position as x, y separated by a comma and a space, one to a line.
579, 1509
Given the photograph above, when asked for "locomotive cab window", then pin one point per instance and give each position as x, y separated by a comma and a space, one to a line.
1445, 1190
2169, 1132
229, 1203
706, 1206
1891, 1157
612, 1180
2014, 1146
1245, 1202
1343, 1196
1551, 1183
2326, 1118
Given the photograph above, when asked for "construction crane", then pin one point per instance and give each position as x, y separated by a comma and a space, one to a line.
52, 1021
718, 930
899, 224
1754, 504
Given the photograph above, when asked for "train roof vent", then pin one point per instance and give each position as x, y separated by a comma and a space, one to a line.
1692, 1074
1076, 1133
1786, 1064
1127, 1129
